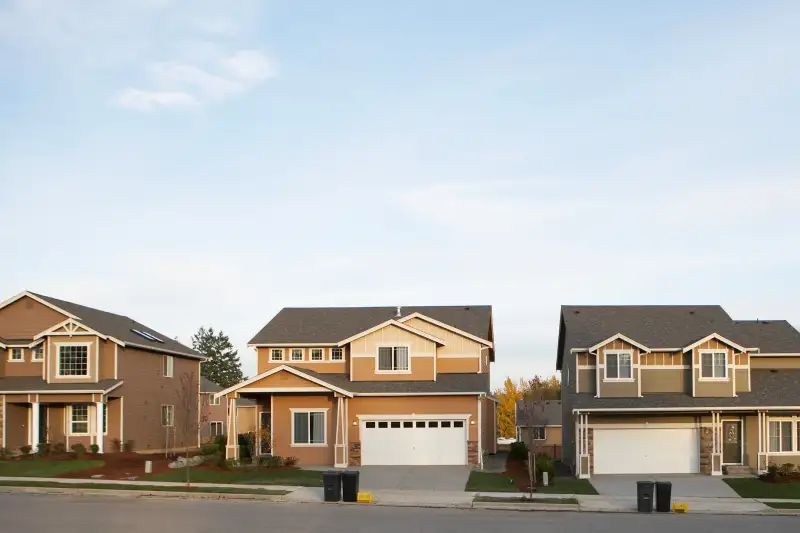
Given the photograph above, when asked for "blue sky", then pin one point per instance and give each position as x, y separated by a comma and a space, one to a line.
191, 163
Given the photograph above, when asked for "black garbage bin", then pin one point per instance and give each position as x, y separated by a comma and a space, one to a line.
350, 486
332, 482
663, 496
644, 496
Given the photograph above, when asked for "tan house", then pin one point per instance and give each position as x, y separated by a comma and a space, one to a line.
677, 389
538, 425
373, 386
74, 374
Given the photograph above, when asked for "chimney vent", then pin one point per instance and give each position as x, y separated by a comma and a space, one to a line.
399, 312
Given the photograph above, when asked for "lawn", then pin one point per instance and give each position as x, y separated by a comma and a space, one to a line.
568, 485
302, 478
548, 501
149, 488
755, 488
488, 482
44, 468
784, 505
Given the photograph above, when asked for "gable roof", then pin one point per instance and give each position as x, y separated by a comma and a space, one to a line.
395, 323
541, 413
333, 324
206, 385
119, 327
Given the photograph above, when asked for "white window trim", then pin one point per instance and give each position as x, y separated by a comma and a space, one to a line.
170, 366
272, 351
391, 345
341, 351
311, 355
713, 366
88, 421
544, 433
795, 437
105, 415
309, 410
88, 374
21, 354
302, 354
161, 416
212, 398
222, 426
605, 365
40, 349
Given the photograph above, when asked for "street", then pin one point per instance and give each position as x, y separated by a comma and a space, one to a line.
40, 513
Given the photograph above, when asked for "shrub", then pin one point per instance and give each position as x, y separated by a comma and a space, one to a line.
127, 446
215, 459
44, 449
518, 451
545, 463
221, 441
79, 449
232, 463
59, 448
786, 469
117, 444
25, 450
94, 448
209, 449
291, 461
271, 461
5, 453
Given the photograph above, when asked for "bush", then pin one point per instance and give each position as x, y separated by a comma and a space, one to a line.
117, 444
232, 463
5, 453
786, 469
221, 441
59, 448
545, 463
44, 449
244, 445
291, 461
79, 449
25, 450
518, 451
127, 446
209, 449
215, 459
271, 461
94, 448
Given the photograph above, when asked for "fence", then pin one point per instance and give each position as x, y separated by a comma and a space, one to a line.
553, 450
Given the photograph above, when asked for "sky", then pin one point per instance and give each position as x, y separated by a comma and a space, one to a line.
203, 163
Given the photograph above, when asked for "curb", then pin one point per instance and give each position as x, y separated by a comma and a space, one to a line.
124, 493
527, 507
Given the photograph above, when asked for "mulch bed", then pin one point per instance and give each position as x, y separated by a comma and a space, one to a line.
516, 470
122, 466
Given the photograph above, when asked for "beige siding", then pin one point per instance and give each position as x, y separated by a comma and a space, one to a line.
712, 389
326, 366
25, 368
665, 381
552, 437
456, 344
282, 379
26, 318
364, 354
364, 369
460, 365
392, 335
282, 428
775, 362
613, 388
246, 419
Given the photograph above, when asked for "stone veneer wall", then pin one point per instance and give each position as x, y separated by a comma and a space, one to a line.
472, 453
705, 450
354, 458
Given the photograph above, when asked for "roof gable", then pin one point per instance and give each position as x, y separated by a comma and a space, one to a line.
393, 324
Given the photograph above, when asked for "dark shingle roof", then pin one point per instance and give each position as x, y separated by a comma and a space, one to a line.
771, 336
35, 383
546, 413
118, 326
206, 385
334, 324
466, 383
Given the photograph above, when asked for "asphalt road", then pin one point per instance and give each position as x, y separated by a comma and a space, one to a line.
39, 513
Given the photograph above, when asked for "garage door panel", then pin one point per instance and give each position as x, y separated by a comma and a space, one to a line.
417, 442
646, 451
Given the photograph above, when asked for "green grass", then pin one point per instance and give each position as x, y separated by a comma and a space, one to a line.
755, 488
557, 501
44, 468
489, 482
149, 488
265, 476
784, 505
568, 485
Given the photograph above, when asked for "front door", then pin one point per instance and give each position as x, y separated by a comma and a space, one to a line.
732, 442
42, 424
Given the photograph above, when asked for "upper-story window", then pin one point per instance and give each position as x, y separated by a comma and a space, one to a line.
393, 359
16, 355
276, 355
618, 365
713, 365
297, 354
38, 354
213, 399
316, 354
337, 354
73, 360
168, 364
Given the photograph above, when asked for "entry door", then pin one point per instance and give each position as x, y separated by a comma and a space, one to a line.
732, 442
42, 424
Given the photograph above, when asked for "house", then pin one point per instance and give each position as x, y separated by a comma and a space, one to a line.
373, 386
73, 374
677, 389
538, 425
214, 412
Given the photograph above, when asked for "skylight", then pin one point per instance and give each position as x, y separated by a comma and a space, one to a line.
147, 336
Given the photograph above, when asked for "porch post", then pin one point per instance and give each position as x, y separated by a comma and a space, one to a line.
99, 425
232, 447
34, 433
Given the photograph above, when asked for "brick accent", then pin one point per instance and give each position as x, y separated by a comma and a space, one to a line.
472, 453
355, 454
590, 442
705, 450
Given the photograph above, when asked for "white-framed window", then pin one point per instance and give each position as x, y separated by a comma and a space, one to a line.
539, 433
15, 354
216, 428
309, 427
393, 359
168, 365
713, 365
73, 360
619, 365
213, 399
167, 415
105, 419
316, 354
276, 354
297, 354
79, 419
37, 354
337, 354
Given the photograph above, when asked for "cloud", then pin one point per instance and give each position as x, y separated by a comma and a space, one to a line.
251, 65
150, 100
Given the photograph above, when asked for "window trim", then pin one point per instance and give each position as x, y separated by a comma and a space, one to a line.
169, 372
221, 425
309, 410
795, 425
727, 376
172, 425
39, 349
11, 352
391, 345
302, 354
212, 398
272, 353
321, 356
72, 420
105, 418
606, 353
341, 352
88, 374
544, 433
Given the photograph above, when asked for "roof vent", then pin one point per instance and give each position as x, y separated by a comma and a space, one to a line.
577, 312
691, 312
399, 312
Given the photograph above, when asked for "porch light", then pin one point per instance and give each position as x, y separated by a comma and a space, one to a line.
472, 423
355, 422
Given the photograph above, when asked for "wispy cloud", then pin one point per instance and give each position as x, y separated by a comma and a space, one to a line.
150, 100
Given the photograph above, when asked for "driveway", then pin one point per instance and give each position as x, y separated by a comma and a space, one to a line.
683, 486
413, 477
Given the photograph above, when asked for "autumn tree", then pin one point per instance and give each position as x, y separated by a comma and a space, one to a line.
534, 391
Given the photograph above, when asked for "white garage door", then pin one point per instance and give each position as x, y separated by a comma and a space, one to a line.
646, 451
414, 442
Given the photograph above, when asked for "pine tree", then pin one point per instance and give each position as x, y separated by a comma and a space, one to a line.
223, 366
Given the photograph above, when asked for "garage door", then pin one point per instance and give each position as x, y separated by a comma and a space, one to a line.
646, 451
413, 442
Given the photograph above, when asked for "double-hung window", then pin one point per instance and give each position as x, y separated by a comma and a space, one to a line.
79, 419
297, 354
213, 399
618, 365
167, 415
539, 433
393, 359
713, 365
216, 428
16, 355
316, 354
337, 354
780, 436
38, 354
73, 360
276, 355
308, 428
168, 365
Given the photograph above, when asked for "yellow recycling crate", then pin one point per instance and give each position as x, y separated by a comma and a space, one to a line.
364, 497
680, 507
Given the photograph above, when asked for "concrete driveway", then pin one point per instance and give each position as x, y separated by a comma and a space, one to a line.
413, 477
683, 486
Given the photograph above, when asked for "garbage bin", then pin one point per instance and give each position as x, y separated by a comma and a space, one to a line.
644, 496
350, 486
332, 482
663, 496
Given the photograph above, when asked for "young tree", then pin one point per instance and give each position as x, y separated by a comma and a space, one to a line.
190, 416
223, 366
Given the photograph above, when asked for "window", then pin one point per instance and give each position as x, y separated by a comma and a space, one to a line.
213, 399
408, 424
337, 354
297, 354
713, 365
316, 354
780, 436
308, 428
618, 365
79, 419
420, 424
148, 336
73, 360
38, 354
445, 423
276, 355
433, 424
539, 433
168, 363
395, 425
458, 424
16, 355
216, 428
383, 425
393, 359
370, 425
168, 415
105, 418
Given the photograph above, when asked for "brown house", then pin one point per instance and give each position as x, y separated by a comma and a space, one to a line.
373, 386
677, 389
214, 412
538, 425
74, 374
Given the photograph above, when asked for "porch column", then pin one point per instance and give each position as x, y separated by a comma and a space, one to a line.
232, 447
34, 426
98, 412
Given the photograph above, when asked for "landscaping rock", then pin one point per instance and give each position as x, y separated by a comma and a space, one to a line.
98, 476
183, 462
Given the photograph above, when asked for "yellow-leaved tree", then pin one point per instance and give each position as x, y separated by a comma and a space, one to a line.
508, 396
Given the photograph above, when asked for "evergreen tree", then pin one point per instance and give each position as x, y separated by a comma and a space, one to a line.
223, 366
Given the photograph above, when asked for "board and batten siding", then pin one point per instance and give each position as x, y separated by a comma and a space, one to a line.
615, 388
364, 354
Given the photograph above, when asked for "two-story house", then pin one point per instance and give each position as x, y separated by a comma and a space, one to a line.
73, 374
373, 386
677, 389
